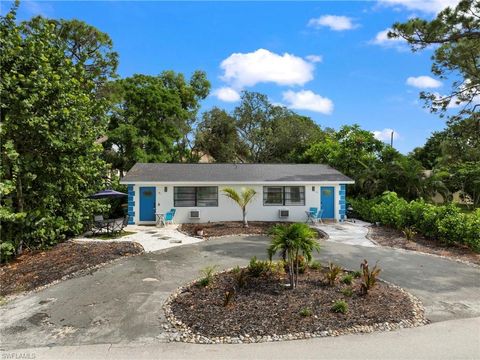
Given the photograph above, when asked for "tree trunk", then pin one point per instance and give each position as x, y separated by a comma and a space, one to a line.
20, 207
244, 213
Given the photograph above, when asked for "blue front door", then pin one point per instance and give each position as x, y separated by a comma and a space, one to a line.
327, 202
147, 203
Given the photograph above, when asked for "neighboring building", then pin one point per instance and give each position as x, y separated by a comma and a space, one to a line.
195, 191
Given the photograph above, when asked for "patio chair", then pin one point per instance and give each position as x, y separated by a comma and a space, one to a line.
173, 211
169, 217
311, 215
98, 225
118, 225
319, 216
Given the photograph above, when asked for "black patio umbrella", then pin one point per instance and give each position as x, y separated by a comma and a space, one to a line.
107, 194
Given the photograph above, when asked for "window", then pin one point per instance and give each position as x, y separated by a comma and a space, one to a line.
193, 196
284, 195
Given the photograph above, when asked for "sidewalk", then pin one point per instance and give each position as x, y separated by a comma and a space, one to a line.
347, 232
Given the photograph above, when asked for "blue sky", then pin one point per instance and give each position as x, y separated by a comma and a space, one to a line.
327, 60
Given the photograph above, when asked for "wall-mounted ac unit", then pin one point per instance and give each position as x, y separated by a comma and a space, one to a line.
283, 213
194, 214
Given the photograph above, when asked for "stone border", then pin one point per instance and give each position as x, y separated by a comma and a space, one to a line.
180, 332
465, 262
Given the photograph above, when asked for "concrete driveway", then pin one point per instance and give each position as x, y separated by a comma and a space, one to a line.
121, 303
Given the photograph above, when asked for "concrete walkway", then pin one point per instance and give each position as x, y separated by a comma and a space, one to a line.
122, 302
350, 233
450, 340
152, 238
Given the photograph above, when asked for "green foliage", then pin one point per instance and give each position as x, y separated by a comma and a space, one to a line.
51, 118
409, 232
369, 277
242, 199
347, 279
207, 273
348, 292
444, 223
7, 251
257, 268
332, 273
306, 312
454, 34
339, 306
356, 274
292, 241
315, 265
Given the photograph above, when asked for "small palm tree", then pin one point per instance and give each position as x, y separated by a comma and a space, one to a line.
242, 199
291, 241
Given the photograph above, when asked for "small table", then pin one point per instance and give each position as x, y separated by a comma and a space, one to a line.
160, 219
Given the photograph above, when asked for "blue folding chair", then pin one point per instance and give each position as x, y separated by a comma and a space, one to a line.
168, 218
173, 211
319, 216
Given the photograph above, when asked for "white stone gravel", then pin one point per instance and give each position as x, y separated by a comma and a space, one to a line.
349, 232
152, 238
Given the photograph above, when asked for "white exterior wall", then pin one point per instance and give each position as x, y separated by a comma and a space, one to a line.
228, 210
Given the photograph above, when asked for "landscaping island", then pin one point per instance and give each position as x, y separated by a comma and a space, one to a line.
252, 305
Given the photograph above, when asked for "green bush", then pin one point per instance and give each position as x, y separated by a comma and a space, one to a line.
306, 312
347, 291
445, 223
315, 265
340, 306
257, 268
347, 279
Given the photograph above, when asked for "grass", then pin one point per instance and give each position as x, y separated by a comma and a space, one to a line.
113, 236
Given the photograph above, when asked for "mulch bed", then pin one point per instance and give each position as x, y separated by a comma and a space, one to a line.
386, 236
225, 228
265, 307
35, 269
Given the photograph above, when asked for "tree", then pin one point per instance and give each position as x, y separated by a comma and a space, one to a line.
50, 158
292, 241
216, 135
152, 118
455, 33
242, 199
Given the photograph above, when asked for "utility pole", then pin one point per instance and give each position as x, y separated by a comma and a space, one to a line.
391, 138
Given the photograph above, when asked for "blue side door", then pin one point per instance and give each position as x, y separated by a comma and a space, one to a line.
147, 203
327, 202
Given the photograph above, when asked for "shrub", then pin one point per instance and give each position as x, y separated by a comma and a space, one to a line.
347, 291
306, 312
207, 273
340, 306
257, 268
7, 251
240, 276
369, 278
315, 265
356, 274
332, 273
445, 223
347, 279
409, 232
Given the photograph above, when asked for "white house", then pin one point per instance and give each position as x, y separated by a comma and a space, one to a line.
284, 191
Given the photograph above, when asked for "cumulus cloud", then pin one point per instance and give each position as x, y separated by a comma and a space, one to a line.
227, 94
308, 100
382, 39
263, 66
427, 6
424, 82
314, 58
385, 134
333, 22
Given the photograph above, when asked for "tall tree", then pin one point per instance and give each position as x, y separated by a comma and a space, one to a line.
455, 33
152, 118
50, 159
216, 135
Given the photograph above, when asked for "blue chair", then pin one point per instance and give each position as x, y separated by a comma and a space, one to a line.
313, 210
169, 218
319, 216
173, 211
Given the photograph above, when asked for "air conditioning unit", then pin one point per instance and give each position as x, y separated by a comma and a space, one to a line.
283, 213
194, 214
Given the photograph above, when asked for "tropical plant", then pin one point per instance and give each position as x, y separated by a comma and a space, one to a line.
257, 268
347, 279
306, 312
340, 306
332, 273
293, 240
242, 199
207, 273
409, 232
369, 277
347, 291
315, 265
240, 276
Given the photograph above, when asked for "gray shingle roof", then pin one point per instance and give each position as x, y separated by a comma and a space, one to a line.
242, 173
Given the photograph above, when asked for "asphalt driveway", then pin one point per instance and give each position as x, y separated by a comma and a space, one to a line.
121, 303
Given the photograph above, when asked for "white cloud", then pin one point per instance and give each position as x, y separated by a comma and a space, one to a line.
308, 100
262, 66
385, 134
423, 82
382, 39
336, 23
314, 58
37, 8
227, 94
427, 6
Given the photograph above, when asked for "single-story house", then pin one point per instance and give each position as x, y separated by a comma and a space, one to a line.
284, 191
